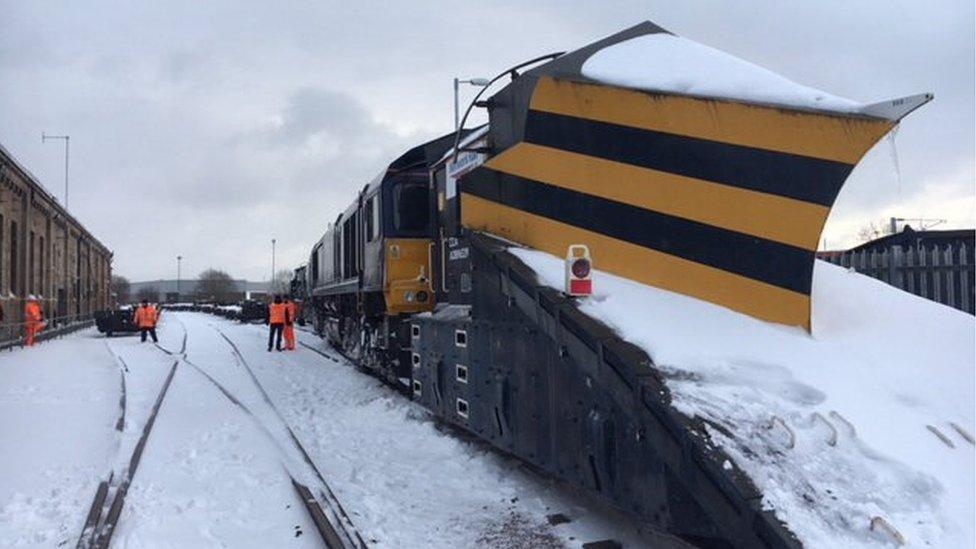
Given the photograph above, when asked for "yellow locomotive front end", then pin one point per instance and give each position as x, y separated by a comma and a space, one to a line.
406, 286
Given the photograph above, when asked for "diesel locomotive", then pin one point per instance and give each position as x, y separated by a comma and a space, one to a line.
719, 199
372, 270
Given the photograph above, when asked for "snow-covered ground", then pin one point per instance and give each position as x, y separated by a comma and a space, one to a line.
217, 472
880, 369
59, 403
882, 372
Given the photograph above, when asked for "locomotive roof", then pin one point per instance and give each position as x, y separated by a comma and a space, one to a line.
420, 157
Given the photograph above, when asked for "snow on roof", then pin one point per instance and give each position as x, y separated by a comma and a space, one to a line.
881, 367
672, 64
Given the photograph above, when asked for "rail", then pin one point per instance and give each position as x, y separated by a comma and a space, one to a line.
103, 516
330, 518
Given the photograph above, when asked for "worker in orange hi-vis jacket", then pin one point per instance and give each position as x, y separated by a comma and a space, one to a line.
292, 310
277, 318
33, 320
146, 318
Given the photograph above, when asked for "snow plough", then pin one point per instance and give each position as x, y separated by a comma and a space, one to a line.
679, 167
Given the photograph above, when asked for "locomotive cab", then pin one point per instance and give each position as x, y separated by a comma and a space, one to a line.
406, 245
372, 268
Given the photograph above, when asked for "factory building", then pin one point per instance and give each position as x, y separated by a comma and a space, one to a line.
46, 252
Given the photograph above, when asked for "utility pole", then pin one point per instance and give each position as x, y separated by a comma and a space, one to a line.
273, 286
179, 295
67, 148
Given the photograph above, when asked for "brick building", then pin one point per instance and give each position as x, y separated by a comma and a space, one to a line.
47, 252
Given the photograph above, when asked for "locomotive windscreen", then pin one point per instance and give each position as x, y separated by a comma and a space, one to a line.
411, 212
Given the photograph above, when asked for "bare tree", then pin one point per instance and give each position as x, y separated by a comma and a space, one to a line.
216, 285
282, 282
121, 288
147, 293
874, 230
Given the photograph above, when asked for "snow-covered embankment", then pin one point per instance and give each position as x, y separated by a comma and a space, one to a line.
880, 368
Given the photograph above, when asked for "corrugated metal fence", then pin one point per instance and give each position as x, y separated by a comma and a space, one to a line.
942, 274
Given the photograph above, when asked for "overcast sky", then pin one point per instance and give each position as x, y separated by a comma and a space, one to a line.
206, 129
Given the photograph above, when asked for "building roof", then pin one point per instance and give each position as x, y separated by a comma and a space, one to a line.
189, 285
8, 159
911, 237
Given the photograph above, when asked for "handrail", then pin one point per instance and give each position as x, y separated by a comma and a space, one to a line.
54, 319
17, 337
509, 71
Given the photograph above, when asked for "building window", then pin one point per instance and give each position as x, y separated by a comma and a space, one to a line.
2, 287
31, 281
40, 265
13, 257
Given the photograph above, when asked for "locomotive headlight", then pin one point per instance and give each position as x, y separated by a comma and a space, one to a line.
408, 296
421, 296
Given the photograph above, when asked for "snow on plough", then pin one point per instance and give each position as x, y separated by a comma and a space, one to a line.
679, 167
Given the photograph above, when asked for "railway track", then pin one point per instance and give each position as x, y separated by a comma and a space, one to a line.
103, 515
326, 513
330, 518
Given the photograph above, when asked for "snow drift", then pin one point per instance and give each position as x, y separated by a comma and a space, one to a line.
835, 428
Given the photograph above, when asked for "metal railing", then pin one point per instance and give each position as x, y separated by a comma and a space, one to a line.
12, 334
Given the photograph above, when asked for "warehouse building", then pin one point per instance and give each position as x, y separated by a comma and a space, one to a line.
175, 291
46, 252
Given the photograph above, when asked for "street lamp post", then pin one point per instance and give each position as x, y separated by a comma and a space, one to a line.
273, 242
482, 82
67, 147
179, 295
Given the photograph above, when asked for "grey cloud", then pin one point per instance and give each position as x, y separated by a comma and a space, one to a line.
310, 111
234, 122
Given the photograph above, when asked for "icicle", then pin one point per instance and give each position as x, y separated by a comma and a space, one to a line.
893, 152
